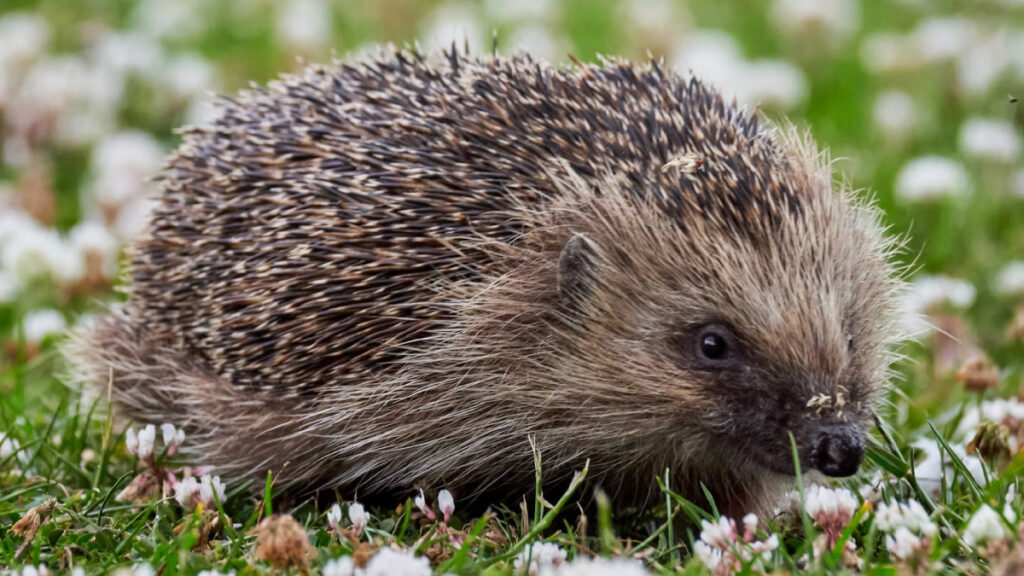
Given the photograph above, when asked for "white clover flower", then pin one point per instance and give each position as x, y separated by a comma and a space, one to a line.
541, 558
446, 503
454, 22
521, 11
123, 166
172, 435
131, 441
985, 525
893, 114
539, 41
718, 533
186, 491
943, 38
215, 573
829, 21
129, 53
8, 446
1010, 280
389, 562
936, 465
334, 516
710, 556
210, 486
147, 439
774, 84
25, 37
186, 76
824, 502
989, 139
750, 522
41, 324
92, 240
602, 567
303, 24
931, 178
133, 217
890, 517
979, 67
903, 543
31, 252
136, 570
888, 53
928, 294
78, 571
343, 566
172, 19
358, 515
40, 570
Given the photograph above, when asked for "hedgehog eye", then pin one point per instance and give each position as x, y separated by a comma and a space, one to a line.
715, 344
849, 341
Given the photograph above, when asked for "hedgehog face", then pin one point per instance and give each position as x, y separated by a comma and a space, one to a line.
734, 340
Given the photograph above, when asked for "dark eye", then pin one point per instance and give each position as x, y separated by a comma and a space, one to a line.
713, 347
849, 341
715, 343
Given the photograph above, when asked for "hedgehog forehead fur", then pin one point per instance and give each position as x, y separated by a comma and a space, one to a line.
399, 270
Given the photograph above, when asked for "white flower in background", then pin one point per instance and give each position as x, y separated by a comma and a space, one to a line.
147, 439
774, 84
539, 42
943, 38
8, 287
32, 571
41, 324
724, 551
1006, 411
541, 558
93, 242
129, 53
30, 251
186, 491
986, 525
343, 566
8, 446
1010, 280
304, 25
132, 218
980, 67
830, 21
389, 562
931, 178
538, 11
171, 19
928, 294
446, 502
893, 114
715, 58
215, 573
888, 53
25, 36
209, 488
584, 566
123, 165
935, 465
334, 517
202, 110
989, 139
653, 24
359, 517
186, 76
131, 441
456, 22
903, 543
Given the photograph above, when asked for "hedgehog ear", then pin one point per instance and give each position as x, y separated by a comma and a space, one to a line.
576, 266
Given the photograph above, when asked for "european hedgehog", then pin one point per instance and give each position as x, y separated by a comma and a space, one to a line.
407, 271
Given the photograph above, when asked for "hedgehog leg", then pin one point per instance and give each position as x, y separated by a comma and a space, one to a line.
239, 434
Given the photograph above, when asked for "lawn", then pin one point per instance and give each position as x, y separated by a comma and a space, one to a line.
916, 99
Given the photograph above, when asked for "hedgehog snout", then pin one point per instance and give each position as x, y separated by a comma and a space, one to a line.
838, 450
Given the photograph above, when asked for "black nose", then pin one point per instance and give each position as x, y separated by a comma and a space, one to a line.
838, 450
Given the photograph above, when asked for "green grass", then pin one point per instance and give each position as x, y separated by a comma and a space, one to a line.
70, 452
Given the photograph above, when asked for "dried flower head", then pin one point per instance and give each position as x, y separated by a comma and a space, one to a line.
282, 542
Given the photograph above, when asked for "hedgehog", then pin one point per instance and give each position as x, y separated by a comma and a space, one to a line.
416, 270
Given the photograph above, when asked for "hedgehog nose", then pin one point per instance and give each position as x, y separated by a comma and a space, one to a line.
838, 450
